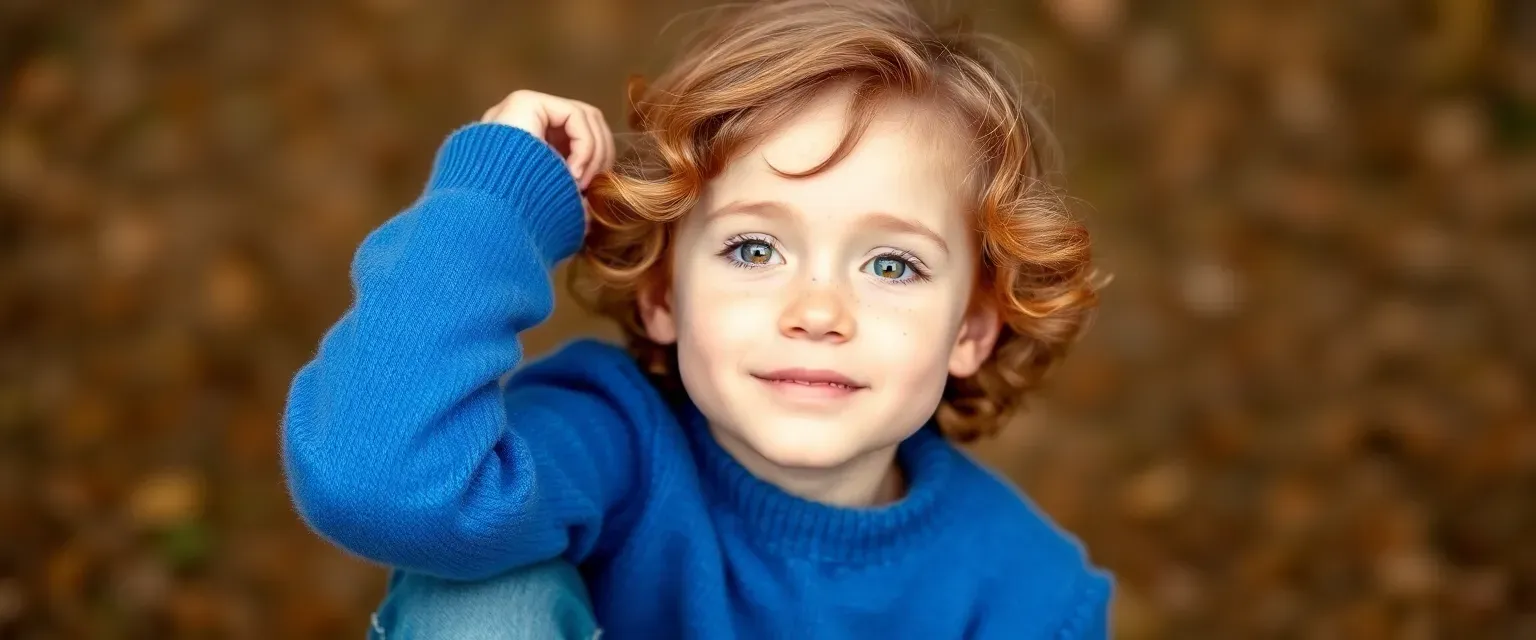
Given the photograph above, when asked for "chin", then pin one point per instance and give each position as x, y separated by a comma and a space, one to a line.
798, 444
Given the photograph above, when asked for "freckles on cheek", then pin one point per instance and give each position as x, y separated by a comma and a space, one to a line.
898, 317
913, 333
890, 328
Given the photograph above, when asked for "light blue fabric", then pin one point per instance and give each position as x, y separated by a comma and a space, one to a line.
547, 601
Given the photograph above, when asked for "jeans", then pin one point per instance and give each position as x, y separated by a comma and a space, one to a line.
545, 602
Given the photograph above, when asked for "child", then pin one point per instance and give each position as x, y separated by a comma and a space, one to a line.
831, 247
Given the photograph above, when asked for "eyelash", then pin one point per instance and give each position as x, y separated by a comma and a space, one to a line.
920, 272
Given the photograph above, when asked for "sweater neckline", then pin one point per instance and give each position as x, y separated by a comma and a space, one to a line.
784, 523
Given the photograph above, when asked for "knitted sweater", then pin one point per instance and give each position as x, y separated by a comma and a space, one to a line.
403, 443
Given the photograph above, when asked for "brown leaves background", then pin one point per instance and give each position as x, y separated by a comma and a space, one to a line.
1306, 410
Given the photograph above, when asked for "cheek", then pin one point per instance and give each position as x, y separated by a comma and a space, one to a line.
716, 313
910, 336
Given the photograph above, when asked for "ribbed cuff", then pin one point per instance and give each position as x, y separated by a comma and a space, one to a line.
510, 164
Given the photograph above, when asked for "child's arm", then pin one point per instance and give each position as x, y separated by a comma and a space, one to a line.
396, 442
1082, 615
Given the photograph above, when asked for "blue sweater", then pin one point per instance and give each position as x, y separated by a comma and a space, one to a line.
403, 444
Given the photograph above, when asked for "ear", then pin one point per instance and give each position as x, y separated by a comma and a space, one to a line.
978, 334
655, 302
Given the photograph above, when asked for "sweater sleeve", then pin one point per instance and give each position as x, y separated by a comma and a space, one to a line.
1088, 617
399, 443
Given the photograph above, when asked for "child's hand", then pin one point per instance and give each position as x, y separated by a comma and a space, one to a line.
576, 130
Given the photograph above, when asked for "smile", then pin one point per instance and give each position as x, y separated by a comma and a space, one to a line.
810, 383
834, 385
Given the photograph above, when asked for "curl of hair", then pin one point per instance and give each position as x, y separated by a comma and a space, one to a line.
754, 66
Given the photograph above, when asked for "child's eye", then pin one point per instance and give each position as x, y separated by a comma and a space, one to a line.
751, 252
896, 269
754, 252
889, 268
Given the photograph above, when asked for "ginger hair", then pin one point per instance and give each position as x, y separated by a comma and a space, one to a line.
747, 74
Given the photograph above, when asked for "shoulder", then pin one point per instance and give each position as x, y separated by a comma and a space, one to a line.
580, 359
1034, 571
1004, 520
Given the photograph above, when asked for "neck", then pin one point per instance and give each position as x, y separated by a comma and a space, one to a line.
870, 479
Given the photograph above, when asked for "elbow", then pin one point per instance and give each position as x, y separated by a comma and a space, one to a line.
380, 500
370, 514
379, 523
348, 498
339, 491
342, 506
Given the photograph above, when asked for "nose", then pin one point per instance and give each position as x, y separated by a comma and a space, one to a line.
819, 313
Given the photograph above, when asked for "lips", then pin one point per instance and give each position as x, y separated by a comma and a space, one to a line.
811, 378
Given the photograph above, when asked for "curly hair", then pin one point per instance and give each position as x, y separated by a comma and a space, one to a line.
754, 66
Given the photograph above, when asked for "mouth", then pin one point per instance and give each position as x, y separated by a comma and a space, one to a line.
819, 382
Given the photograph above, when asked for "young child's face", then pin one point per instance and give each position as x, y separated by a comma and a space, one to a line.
861, 274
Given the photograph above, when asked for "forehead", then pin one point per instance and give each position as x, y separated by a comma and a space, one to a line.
908, 163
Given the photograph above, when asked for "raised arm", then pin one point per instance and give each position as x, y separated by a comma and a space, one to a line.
399, 443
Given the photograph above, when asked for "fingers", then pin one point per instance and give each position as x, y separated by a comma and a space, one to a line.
571, 119
592, 148
611, 154
582, 133
602, 157
605, 134
595, 162
585, 166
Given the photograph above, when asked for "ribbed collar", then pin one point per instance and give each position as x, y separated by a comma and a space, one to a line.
784, 523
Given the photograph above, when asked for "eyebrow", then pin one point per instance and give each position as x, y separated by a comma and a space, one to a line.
878, 219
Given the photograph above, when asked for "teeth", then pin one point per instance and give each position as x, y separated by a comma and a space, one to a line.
817, 384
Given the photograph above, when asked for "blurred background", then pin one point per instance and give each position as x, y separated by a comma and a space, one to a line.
1306, 410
